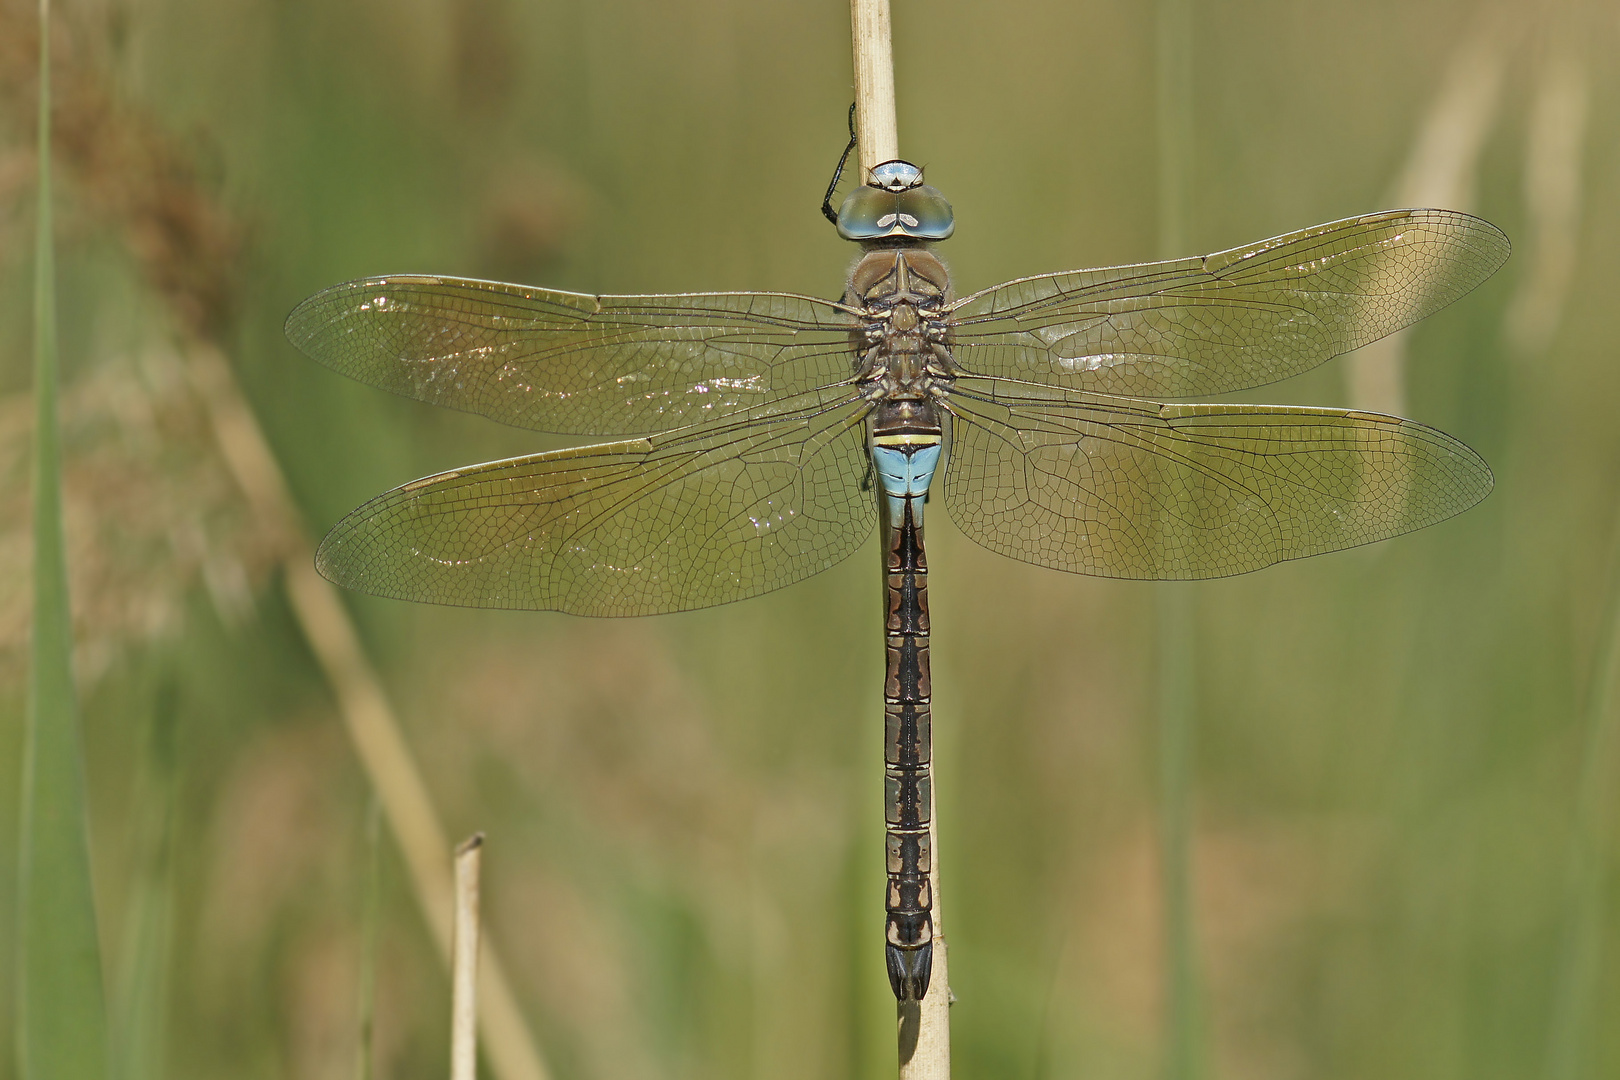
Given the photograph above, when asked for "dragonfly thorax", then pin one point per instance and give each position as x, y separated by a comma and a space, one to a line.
903, 360
902, 348
891, 275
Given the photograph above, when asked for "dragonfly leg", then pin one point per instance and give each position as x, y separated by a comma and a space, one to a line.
826, 202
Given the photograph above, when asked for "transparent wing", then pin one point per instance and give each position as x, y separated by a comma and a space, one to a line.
1134, 489
683, 520
1232, 320
576, 364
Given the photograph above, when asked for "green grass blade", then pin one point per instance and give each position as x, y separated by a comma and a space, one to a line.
1577, 989
1177, 695
1177, 640
138, 1023
61, 1014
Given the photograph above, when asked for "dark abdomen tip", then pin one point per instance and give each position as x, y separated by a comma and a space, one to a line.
909, 970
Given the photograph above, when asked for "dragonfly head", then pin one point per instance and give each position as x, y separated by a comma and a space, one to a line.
895, 176
895, 204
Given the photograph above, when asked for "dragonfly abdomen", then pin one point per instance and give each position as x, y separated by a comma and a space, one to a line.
906, 443
907, 753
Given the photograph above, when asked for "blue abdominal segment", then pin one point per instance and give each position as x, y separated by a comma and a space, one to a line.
905, 472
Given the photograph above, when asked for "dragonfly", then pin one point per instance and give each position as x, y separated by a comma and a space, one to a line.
761, 437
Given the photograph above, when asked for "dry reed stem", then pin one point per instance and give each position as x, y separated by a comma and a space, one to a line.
923, 1028
877, 133
464, 962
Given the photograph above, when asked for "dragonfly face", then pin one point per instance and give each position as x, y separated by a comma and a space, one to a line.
753, 424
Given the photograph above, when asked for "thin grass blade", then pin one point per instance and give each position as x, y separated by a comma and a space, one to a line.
61, 1013
1177, 644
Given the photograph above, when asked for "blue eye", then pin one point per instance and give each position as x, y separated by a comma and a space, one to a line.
919, 213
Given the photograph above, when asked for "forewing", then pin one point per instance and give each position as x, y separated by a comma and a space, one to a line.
683, 520
576, 364
1232, 320
1134, 489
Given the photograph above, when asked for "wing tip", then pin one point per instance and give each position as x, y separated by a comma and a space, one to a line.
331, 563
1483, 237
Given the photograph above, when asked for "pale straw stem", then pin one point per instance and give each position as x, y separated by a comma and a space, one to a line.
877, 133
924, 1028
464, 962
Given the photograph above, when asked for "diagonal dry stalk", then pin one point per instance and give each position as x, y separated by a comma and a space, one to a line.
1555, 154
367, 715
1440, 170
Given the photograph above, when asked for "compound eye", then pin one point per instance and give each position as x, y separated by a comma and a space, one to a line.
873, 213
925, 213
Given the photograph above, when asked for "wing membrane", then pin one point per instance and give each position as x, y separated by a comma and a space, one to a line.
1134, 489
577, 364
1232, 320
682, 520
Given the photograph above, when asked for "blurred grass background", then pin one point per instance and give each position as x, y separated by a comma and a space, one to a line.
1399, 801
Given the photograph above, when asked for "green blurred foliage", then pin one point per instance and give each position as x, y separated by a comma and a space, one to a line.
684, 861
